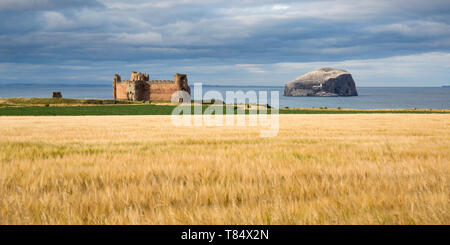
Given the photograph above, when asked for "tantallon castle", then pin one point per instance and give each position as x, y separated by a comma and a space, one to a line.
140, 88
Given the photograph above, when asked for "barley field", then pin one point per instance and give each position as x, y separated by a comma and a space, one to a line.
320, 169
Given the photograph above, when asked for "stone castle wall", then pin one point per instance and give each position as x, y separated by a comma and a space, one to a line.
140, 88
162, 91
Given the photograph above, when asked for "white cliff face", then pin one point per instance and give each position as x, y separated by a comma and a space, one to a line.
323, 82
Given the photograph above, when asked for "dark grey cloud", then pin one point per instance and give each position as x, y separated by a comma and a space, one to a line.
219, 32
46, 4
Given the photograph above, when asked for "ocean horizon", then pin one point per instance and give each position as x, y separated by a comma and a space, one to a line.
372, 97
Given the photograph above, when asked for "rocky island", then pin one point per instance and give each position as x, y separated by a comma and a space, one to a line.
323, 82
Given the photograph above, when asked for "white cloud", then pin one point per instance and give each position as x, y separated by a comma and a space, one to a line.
135, 6
428, 69
252, 68
56, 21
137, 38
413, 28
327, 10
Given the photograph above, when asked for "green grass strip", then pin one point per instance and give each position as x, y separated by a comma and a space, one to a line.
164, 110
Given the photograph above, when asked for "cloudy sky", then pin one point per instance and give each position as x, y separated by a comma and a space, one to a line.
230, 42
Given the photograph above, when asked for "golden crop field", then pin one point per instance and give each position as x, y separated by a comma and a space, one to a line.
320, 169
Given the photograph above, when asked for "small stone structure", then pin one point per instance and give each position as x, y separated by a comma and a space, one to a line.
141, 88
56, 95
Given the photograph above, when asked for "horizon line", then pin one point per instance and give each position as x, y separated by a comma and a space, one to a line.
209, 85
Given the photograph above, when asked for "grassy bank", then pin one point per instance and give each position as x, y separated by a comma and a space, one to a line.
152, 109
320, 169
58, 101
87, 110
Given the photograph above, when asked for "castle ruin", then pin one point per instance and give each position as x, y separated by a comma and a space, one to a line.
141, 88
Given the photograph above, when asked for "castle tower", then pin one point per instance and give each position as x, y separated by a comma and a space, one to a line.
181, 82
137, 76
115, 81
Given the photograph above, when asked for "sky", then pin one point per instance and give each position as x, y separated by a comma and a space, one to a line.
230, 42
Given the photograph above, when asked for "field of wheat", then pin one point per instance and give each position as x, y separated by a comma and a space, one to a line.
320, 169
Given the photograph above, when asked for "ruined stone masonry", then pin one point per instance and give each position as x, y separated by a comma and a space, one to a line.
141, 88
57, 95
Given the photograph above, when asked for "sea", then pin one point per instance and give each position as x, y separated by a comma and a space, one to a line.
368, 97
